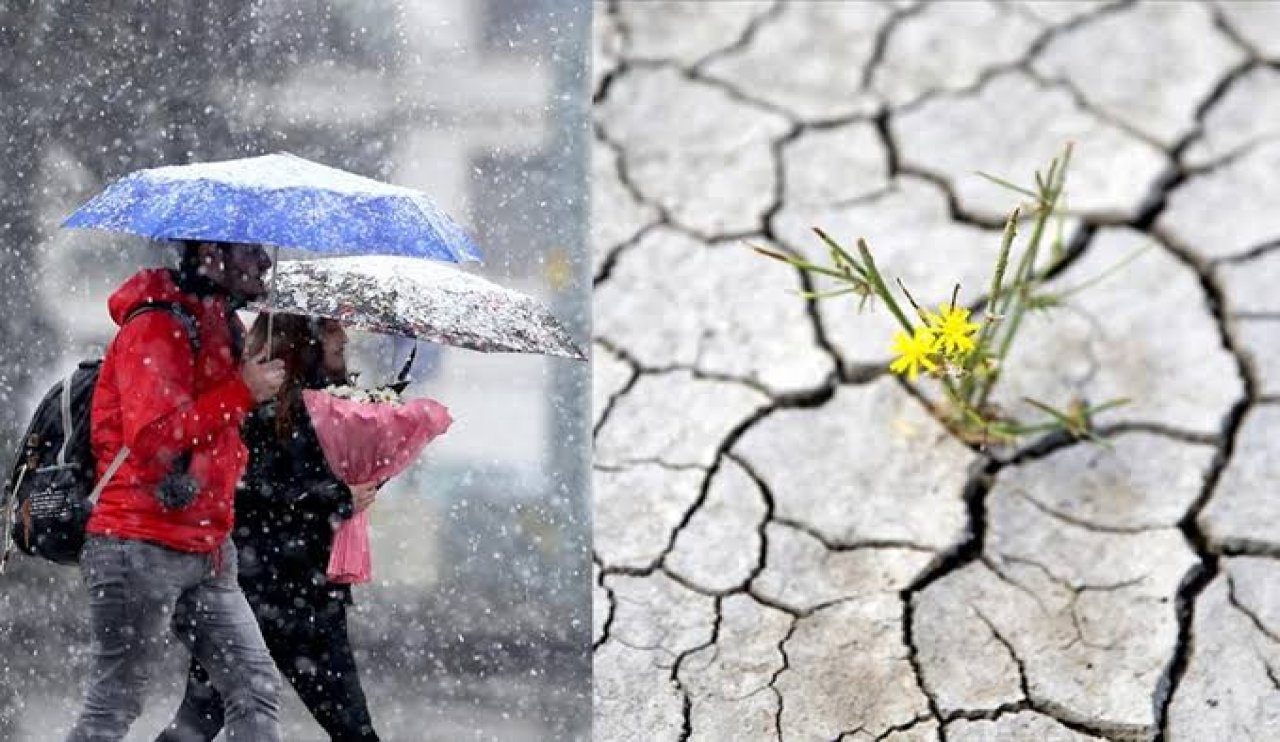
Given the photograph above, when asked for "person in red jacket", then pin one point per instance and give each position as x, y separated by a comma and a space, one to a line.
158, 554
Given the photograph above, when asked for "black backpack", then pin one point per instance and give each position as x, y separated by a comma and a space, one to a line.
50, 491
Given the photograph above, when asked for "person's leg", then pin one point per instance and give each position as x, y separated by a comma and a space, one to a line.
322, 669
199, 718
133, 588
220, 629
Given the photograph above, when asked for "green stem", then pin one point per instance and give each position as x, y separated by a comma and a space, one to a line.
997, 283
912, 300
818, 295
802, 264
839, 253
877, 283
1037, 428
961, 403
1015, 305
1011, 186
1103, 275
1026, 265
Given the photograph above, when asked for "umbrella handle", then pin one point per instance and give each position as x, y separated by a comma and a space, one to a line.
404, 372
271, 297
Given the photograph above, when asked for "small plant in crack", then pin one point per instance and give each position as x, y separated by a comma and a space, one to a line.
964, 354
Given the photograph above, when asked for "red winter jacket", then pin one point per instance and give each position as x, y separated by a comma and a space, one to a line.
155, 398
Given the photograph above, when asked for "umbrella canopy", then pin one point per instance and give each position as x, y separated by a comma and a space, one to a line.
279, 200
421, 299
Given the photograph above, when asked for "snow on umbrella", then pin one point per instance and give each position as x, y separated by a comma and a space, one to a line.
421, 299
281, 200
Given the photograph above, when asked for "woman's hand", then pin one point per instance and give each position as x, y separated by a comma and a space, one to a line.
363, 495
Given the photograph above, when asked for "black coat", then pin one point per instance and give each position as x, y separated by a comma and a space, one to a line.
287, 507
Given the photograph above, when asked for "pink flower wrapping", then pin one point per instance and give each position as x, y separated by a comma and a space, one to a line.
368, 442
351, 557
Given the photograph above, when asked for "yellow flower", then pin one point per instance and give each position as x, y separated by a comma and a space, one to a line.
913, 352
953, 329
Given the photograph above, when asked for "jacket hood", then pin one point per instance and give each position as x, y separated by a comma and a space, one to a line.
149, 285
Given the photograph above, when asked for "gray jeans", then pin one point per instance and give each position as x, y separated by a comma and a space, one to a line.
137, 591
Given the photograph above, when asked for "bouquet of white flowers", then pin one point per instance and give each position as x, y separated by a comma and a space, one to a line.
368, 435
383, 394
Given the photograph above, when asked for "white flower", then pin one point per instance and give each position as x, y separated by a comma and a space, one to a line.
381, 395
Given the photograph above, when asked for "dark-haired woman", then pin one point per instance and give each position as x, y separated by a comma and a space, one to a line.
286, 510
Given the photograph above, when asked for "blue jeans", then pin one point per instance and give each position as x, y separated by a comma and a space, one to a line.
137, 591
312, 650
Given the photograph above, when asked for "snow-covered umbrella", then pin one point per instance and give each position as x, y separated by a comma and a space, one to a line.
421, 299
280, 200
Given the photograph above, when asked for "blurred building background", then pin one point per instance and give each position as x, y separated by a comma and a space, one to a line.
476, 626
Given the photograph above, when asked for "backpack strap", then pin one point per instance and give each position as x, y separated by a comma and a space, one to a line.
177, 310
108, 474
7, 514
66, 419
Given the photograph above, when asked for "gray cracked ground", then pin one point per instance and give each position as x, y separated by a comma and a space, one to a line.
787, 545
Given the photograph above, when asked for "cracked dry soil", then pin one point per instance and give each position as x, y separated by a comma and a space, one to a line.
787, 545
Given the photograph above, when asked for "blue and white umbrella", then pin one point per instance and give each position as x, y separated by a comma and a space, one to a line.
279, 200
